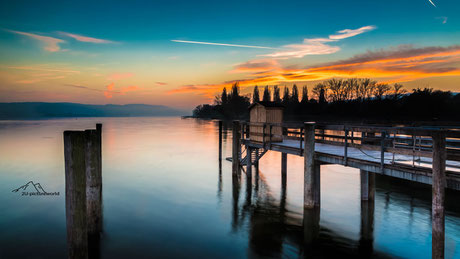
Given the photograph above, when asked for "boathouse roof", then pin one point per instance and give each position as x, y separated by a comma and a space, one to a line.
267, 105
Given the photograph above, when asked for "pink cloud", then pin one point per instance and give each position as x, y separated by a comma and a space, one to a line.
109, 92
50, 44
85, 38
161, 83
128, 89
119, 76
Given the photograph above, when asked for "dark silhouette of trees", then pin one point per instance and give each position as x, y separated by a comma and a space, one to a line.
267, 95
276, 94
255, 95
286, 96
294, 95
304, 95
343, 99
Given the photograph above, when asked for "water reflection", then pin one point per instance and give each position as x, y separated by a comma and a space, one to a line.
166, 195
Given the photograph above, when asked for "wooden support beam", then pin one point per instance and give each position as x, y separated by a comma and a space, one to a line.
438, 194
249, 161
93, 182
366, 229
367, 185
283, 164
311, 178
75, 190
220, 140
236, 148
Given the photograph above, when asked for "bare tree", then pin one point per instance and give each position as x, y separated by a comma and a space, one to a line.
381, 89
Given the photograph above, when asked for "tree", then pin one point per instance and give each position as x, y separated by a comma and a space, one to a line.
276, 94
255, 95
286, 96
322, 96
295, 95
267, 95
235, 94
304, 95
397, 90
224, 97
318, 89
381, 89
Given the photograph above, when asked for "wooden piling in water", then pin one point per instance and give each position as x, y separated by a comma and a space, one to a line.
283, 164
438, 194
236, 148
311, 172
249, 162
367, 185
75, 189
220, 140
93, 182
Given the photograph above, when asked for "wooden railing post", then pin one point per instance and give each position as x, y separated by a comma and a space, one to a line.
382, 150
300, 137
345, 152
271, 136
438, 193
263, 134
236, 148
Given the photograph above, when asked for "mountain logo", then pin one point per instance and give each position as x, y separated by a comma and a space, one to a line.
32, 189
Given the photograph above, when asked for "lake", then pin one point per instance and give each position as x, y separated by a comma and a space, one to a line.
165, 195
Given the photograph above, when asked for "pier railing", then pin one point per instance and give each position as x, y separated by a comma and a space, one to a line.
408, 145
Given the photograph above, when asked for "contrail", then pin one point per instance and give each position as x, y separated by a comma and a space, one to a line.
222, 44
432, 3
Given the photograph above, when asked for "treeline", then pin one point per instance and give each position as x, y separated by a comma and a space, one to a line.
341, 99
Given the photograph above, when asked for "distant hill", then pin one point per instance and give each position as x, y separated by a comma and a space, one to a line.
34, 110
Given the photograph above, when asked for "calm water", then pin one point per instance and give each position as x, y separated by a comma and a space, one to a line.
164, 196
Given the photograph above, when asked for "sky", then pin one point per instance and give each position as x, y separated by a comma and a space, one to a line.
182, 53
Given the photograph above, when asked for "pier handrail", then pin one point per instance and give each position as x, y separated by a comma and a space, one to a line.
411, 141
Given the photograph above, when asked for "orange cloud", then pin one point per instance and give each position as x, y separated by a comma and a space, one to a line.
400, 64
124, 90
109, 92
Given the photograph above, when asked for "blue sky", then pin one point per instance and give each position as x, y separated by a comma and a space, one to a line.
135, 40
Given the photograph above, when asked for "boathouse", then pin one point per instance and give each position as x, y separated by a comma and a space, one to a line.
264, 118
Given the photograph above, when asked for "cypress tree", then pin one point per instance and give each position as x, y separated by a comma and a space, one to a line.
255, 95
267, 95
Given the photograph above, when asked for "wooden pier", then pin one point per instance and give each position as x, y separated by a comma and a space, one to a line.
421, 154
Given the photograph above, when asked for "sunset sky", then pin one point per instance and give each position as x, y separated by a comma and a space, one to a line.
181, 53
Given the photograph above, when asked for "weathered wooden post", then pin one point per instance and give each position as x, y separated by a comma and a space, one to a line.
283, 166
367, 212
311, 171
284, 159
311, 227
249, 161
75, 190
366, 241
367, 185
439, 183
236, 147
220, 140
93, 182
